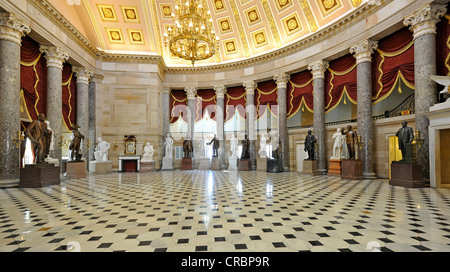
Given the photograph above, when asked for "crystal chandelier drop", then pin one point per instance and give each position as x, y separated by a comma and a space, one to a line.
193, 37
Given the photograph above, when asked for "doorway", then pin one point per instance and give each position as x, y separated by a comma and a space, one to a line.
394, 152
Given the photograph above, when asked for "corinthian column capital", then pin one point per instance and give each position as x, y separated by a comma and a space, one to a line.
282, 80
424, 21
82, 74
364, 50
54, 55
11, 28
318, 68
191, 92
220, 91
250, 87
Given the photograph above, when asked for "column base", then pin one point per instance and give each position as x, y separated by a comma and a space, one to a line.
370, 175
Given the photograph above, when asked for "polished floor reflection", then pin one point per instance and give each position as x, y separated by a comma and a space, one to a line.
223, 211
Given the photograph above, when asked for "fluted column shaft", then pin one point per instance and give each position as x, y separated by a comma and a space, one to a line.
250, 87
318, 70
282, 80
11, 32
220, 97
423, 25
362, 52
55, 58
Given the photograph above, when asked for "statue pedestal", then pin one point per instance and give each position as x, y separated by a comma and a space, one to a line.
232, 163
100, 167
244, 165
76, 170
204, 164
335, 168
261, 164
167, 163
52, 161
352, 169
406, 175
147, 166
186, 164
215, 164
274, 166
39, 175
310, 168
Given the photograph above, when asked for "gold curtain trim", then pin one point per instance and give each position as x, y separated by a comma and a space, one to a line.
303, 98
68, 83
344, 92
399, 77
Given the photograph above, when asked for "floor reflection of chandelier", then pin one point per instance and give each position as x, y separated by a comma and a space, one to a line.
193, 37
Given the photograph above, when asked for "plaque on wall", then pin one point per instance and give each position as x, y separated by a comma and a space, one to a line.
130, 145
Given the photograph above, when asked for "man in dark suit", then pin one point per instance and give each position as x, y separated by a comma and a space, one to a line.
405, 136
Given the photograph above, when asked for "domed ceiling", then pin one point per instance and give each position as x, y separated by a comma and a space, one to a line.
246, 28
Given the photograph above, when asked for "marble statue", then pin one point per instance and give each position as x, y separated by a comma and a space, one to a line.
101, 152
351, 138
310, 142
245, 148
339, 140
168, 143
148, 153
75, 144
39, 136
215, 146
263, 146
405, 136
233, 146
202, 147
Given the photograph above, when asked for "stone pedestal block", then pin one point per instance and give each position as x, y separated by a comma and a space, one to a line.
232, 163
406, 175
275, 166
100, 167
335, 168
76, 170
244, 165
186, 164
352, 169
167, 163
310, 168
215, 164
204, 164
261, 164
147, 166
39, 175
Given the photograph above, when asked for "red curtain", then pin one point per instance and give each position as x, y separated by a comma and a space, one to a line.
69, 96
443, 46
205, 100
33, 78
266, 97
178, 105
300, 92
393, 61
340, 82
235, 99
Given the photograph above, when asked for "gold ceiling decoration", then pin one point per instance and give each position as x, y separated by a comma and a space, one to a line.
193, 37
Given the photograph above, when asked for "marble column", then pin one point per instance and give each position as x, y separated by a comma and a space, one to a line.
55, 58
318, 69
165, 97
250, 109
282, 80
423, 25
83, 75
363, 54
11, 32
191, 92
94, 87
220, 97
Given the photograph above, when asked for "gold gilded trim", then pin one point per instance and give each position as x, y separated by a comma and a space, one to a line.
309, 15
241, 31
273, 25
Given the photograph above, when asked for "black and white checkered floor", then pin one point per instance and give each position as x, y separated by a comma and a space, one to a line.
223, 211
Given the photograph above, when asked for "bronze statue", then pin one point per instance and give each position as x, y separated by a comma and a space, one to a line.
405, 136
351, 138
215, 146
40, 137
76, 144
310, 143
187, 148
276, 154
245, 148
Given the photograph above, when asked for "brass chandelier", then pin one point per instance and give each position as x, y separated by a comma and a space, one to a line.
193, 37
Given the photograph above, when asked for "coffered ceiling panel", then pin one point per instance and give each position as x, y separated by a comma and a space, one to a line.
246, 28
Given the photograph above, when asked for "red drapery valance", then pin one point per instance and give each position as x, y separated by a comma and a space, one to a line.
205, 100
300, 92
393, 61
235, 99
178, 105
69, 96
266, 97
443, 46
33, 78
340, 82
